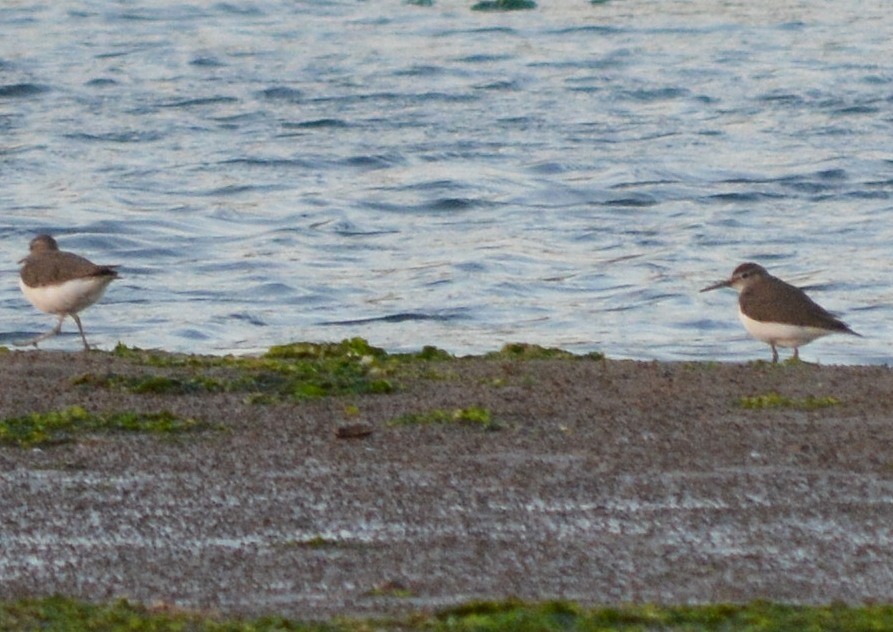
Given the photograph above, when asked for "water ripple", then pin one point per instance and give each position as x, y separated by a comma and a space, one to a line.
572, 181
21, 90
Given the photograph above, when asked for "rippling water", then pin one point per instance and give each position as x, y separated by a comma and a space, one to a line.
571, 176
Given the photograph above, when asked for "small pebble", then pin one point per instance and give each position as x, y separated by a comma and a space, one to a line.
353, 431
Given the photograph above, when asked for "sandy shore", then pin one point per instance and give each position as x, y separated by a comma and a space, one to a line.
607, 482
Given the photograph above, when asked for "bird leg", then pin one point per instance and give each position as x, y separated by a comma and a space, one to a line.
81, 329
796, 353
774, 353
53, 332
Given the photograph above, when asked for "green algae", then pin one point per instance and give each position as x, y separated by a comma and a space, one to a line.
300, 370
61, 426
428, 353
157, 384
525, 351
293, 371
62, 613
774, 400
756, 616
348, 348
471, 416
781, 365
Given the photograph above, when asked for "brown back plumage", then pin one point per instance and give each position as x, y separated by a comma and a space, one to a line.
47, 265
769, 299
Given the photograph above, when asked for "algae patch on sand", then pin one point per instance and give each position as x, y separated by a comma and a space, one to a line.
61, 426
470, 416
63, 613
297, 370
285, 372
525, 351
775, 400
294, 371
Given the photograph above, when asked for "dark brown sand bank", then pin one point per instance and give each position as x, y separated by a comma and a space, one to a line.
597, 481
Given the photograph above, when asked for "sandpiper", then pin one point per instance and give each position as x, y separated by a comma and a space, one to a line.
778, 313
61, 283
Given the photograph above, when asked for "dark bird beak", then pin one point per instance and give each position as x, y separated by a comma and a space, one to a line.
716, 286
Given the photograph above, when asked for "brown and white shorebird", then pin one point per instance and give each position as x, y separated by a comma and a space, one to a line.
778, 313
61, 283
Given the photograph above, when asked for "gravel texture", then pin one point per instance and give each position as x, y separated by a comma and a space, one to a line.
606, 482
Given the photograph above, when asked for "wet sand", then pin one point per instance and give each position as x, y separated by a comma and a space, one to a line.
607, 482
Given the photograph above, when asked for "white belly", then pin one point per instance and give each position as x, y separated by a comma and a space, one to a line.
781, 334
69, 297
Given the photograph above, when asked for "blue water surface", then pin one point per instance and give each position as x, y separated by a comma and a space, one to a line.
571, 176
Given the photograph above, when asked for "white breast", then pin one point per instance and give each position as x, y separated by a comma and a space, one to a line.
781, 334
69, 297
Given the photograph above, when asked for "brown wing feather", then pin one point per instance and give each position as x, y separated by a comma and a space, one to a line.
773, 300
54, 267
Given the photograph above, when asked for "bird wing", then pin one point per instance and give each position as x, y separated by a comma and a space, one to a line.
778, 301
55, 266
